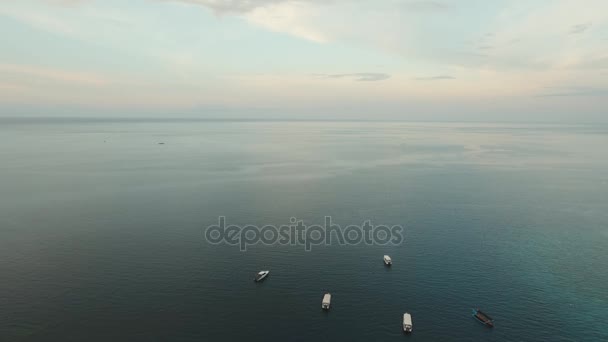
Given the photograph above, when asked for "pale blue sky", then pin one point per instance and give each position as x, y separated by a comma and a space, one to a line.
540, 60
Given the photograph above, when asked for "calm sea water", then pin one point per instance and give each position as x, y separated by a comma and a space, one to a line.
101, 230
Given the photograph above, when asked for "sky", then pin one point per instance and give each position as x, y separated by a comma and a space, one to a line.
423, 60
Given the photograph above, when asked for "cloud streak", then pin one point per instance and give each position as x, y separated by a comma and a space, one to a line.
580, 28
237, 6
435, 78
245, 6
359, 76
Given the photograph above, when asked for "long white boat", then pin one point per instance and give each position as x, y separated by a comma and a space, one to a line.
407, 322
261, 275
387, 260
326, 301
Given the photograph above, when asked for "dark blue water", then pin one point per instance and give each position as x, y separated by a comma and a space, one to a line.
101, 231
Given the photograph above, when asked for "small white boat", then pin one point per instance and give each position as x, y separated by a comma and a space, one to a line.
387, 260
261, 275
326, 301
407, 322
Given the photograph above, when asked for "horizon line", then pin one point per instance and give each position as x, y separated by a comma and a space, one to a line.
25, 119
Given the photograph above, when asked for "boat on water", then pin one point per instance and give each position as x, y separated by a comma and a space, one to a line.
387, 260
482, 317
407, 323
326, 301
261, 275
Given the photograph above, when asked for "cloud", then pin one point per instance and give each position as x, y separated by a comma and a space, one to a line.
236, 6
561, 91
435, 78
580, 28
319, 21
359, 76
246, 6
295, 18
299, 18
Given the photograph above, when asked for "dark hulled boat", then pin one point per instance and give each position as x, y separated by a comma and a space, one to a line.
482, 317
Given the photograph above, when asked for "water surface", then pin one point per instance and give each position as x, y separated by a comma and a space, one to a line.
101, 230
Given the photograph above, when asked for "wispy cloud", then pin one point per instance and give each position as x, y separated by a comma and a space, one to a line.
359, 76
579, 28
244, 6
294, 18
239, 6
312, 20
435, 78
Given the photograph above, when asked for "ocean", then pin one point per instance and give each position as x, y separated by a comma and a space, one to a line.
102, 230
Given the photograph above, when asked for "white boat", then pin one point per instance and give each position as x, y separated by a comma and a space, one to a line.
407, 322
261, 275
387, 260
326, 301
